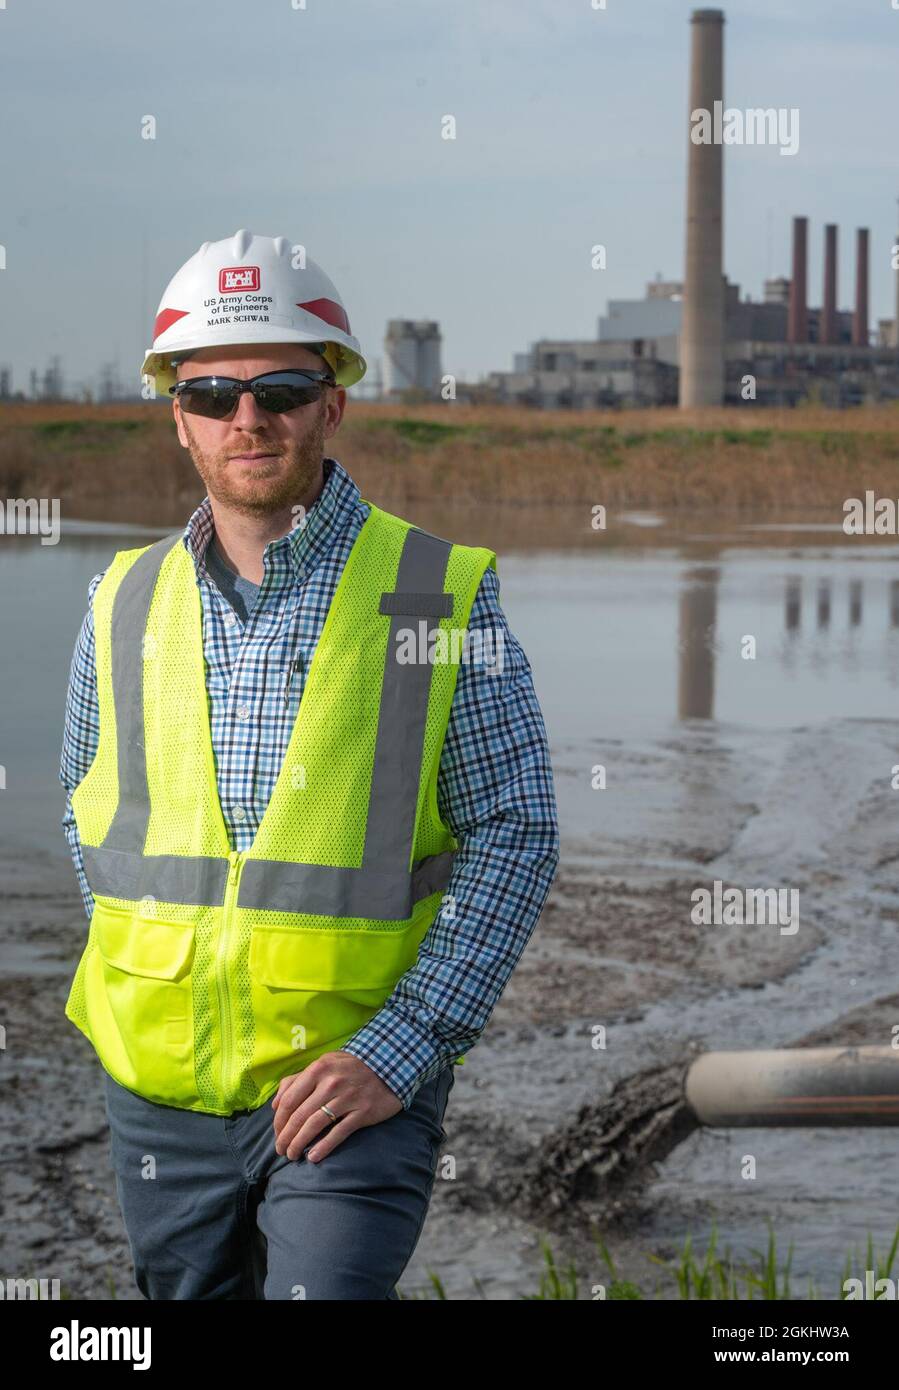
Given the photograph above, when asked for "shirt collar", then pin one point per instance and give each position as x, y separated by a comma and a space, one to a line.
305, 544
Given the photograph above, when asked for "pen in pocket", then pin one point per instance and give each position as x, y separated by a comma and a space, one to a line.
294, 666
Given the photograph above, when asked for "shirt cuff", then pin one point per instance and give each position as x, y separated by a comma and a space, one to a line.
399, 1053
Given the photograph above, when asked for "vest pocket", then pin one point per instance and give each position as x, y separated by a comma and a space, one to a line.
140, 1003
294, 958
311, 990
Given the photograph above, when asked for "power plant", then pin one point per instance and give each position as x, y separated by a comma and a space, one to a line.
412, 358
696, 342
702, 331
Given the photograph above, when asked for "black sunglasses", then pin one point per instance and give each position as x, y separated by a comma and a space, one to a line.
217, 397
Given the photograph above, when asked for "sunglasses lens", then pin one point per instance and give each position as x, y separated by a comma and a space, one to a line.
282, 391
217, 397
209, 396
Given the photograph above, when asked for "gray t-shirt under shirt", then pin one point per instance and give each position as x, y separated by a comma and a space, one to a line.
240, 593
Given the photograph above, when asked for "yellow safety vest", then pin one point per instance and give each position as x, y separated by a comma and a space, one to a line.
208, 974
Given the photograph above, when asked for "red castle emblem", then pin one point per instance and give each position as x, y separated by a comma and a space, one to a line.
234, 279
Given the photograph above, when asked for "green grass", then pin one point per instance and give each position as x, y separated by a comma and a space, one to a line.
54, 429
709, 1275
421, 432
610, 437
712, 1277
602, 437
699, 1277
882, 1268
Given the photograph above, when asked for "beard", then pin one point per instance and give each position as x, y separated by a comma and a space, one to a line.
272, 484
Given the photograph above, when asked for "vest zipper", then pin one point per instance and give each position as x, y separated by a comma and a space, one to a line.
227, 1033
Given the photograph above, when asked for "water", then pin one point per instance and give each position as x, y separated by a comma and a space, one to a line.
43, 599
626, 643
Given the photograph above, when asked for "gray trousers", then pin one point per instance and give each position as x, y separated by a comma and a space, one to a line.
212, 1211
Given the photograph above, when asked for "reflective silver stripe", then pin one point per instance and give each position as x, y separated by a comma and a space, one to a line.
117, 873
267, 884
383, 887
270, 884
399, 744
131, 606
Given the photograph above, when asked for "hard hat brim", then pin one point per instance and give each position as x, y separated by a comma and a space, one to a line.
351, 366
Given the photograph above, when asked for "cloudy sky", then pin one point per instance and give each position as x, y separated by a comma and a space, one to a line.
323, 125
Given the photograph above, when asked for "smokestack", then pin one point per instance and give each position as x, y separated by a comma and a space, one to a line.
797, 322
860, 317
702, 331
829, 310
896, 274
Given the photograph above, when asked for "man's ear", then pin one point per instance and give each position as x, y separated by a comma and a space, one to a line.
337, 399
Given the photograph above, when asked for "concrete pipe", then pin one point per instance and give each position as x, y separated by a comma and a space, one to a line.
804, 1086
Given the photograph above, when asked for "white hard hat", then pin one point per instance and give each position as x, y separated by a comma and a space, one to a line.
250, 289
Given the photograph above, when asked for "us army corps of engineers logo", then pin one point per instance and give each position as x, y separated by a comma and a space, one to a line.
237, 300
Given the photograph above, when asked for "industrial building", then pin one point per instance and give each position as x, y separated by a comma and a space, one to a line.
793, 350
696, 342
412, 358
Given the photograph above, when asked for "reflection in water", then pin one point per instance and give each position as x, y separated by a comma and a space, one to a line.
696, 667
793, 603
855, 607
855, 602
823, 603
698, 618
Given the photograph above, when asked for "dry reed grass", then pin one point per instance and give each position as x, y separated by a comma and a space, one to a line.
124, 462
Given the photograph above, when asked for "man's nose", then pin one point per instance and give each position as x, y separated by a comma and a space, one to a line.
249, 415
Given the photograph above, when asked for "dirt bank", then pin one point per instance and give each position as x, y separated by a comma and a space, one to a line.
516, 1176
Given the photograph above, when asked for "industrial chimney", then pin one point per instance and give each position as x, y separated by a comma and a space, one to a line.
829, 306
702, 330
860, 317
797, 322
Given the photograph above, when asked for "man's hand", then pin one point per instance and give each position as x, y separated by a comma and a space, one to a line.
347, 1086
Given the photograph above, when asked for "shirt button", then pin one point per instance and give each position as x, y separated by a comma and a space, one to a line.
230, 618
239, 813
243, 711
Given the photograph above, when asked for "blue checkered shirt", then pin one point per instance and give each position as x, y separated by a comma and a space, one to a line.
495, 787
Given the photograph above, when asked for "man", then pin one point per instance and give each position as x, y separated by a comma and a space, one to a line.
313, 829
